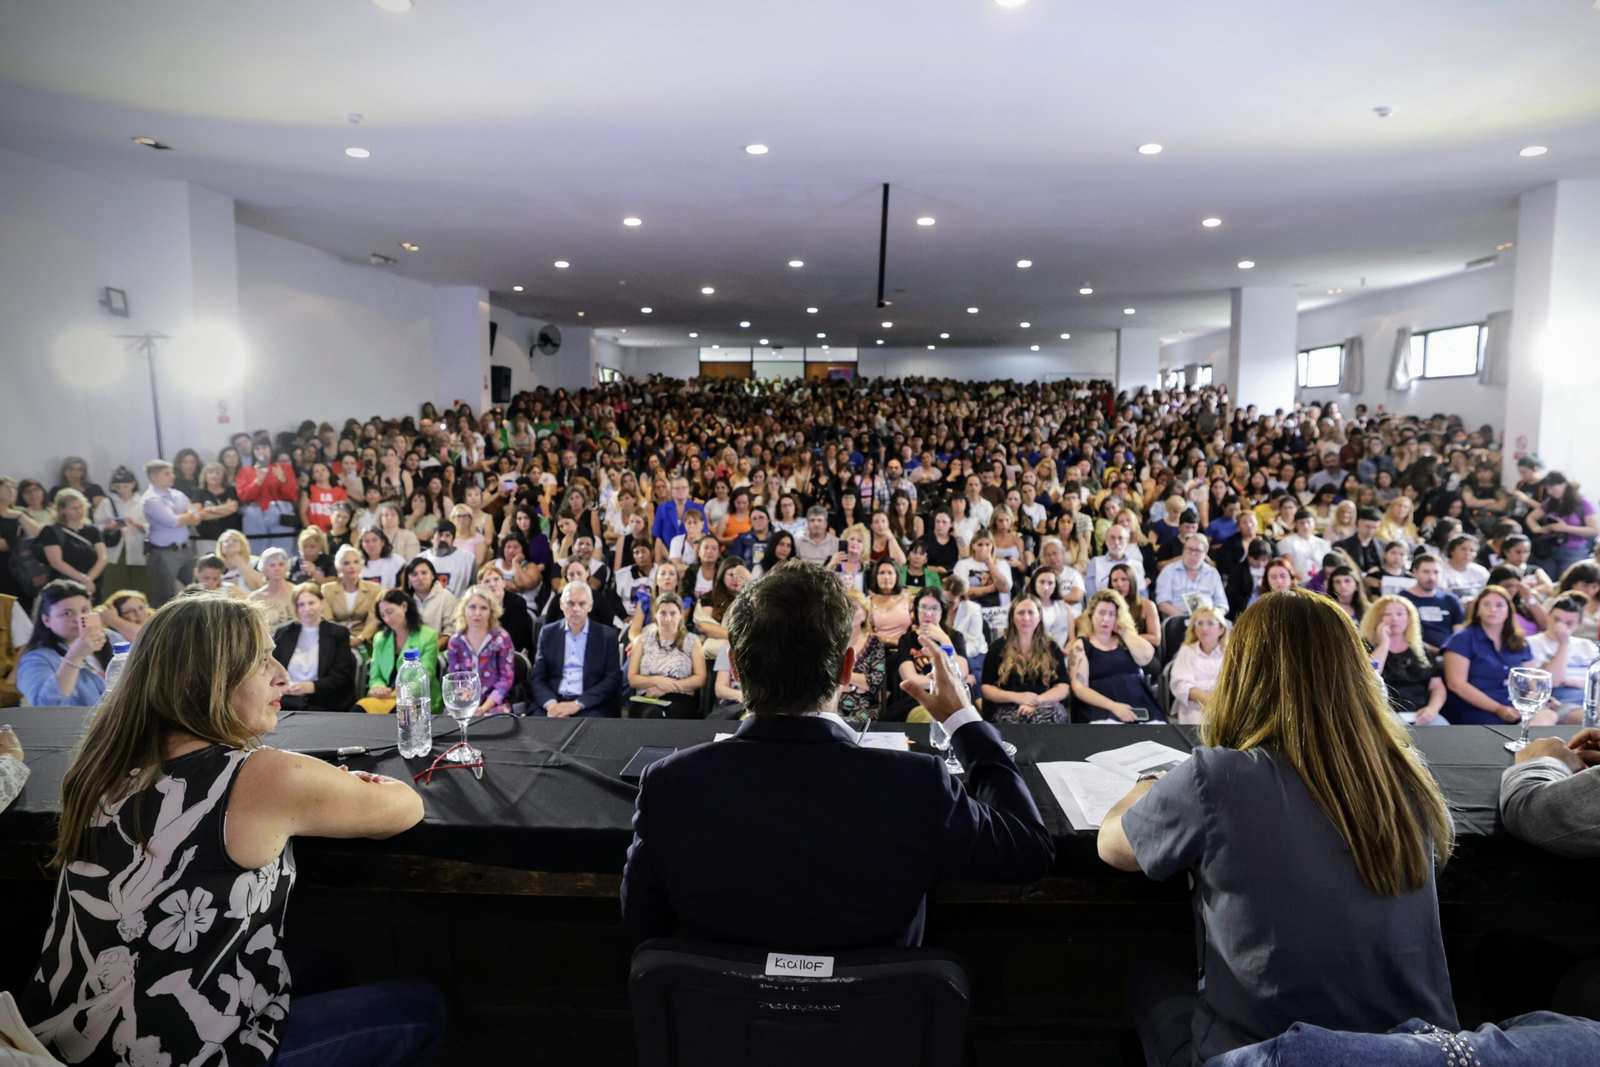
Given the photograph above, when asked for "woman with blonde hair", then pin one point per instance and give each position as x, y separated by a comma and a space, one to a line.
667, 666
1311, 828
73, 547
1198, 663
481, 644
315, 560
1024, 676
1397, 524
1106, 664
234, 548
863, 693
176, 866
1392, 630
352, 601
850, 562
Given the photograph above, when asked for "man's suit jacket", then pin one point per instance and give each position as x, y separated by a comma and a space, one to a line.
791, 836
602, 669
336, 667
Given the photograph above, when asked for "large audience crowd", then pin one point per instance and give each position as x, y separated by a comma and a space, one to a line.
1081, 552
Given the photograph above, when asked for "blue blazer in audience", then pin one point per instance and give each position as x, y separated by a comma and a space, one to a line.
790, 836
602, 670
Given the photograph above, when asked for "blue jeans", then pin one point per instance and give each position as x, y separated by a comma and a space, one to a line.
386, 1024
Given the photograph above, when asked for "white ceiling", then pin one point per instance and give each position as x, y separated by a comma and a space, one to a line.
507, 134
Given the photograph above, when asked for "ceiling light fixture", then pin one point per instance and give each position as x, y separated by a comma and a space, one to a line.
932, 347
1011, 3
1066, 337
624, 329
1025, 324
944, 337
357, 153
1335, 292
1024, 264
880, 341
1127, 311
708, 290
394, 7
797, 263
826, 348
693, 334
1532, 151
581, 314
1151, 149
744, 324
763, 342
647, 310
518, 289
1033, 348
561, 264
1211, 223
716, 346
972, 311
1506, 246
926, 220
755, 149
633, 221
410, 246
1247, 264
820, 336
1086, 290
151, 142
811, 311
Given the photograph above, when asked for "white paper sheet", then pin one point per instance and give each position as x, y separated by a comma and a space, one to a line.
1142, 757
1084, 791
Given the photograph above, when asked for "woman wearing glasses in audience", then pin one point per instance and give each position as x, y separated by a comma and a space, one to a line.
156, 779
125, 612
242, 571
401, 630
667, 665
909, 659
1478, 659
1336, 803
1392, 631
1106, 664
1024, 676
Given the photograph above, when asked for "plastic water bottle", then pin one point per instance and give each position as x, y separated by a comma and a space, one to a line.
413, 709
119, 660
1591, 695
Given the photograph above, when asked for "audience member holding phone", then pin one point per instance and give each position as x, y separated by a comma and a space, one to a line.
1105, 664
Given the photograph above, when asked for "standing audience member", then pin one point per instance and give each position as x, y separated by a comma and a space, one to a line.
72, 545
219, 508
316, 654
120, 518
1564, 522
61, 664
170, 518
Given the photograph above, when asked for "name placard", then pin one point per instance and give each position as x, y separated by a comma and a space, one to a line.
782, 965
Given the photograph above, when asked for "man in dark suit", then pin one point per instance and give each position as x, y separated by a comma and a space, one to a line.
790, 834
1364, 548
578, 670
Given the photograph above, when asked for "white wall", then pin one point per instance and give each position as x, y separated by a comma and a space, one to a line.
570, 368
637, 361
1092, 356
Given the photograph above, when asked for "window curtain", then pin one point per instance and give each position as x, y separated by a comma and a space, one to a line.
1399, 371
1352, 367
1496, 349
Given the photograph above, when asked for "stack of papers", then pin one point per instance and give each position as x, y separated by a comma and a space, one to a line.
1087, 791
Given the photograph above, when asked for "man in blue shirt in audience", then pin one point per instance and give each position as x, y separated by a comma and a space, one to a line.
1439, 611
669, 517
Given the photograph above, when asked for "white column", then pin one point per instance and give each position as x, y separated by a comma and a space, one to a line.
1138, 359
1554, 366
1261, 348
460, 323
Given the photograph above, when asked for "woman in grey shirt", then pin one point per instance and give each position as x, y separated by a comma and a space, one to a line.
1312, 828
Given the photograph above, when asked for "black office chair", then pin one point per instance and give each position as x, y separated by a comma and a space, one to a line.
521, 701
697, 1003
1173, 631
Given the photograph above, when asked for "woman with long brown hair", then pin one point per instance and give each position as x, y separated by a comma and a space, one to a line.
1025, 678
1311, 828
174, 847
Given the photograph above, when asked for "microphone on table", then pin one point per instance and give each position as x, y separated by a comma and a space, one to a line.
333, 753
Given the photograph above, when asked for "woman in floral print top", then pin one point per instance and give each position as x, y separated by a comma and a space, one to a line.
479, 644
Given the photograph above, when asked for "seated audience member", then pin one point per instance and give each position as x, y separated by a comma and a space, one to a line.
73, 547
125, 612
1515, 552
729, 696
1337, 802
1439, 611
1171, 549
670, 516
1319, 580
379, 561
1565, 655
1247, 579
186, 720
638, 573
276, 597
851, 563
818, 543
1189, 575
316, 653
1303, 548
403, 541
732, 574
915, 573
667, 666
1118, 550
1146, 619
1584, 578
964, 617
1529, 614
779, 552
891, 603
320, 497
701, 576
453, 566
351, 601
480, 644
514, 617
1478, 659
314, 563
1458, 574
1230, 555
63, 661
910, 660
1547, 800
1363, 547
435, 604
1106, 664
1055, 614
1025, 678
1279, 577
401, 629
854, 819
940, 544
577, 670
1197, 664
1344, 589
666, 578
862, 695
1392, 576
1393, 635
210, 573
243, 571
1565, 523
13, 771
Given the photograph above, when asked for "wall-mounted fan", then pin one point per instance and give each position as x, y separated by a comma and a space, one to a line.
547, 340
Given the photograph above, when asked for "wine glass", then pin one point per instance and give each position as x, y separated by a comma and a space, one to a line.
463, 692
1530, 691
939, 738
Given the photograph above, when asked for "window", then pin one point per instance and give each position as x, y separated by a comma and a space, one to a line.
609, 374
1318, 368
1456, 352
1202, 375
1176, 379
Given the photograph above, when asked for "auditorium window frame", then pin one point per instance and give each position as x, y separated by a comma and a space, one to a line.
1423, 362
1318, 368
608, 374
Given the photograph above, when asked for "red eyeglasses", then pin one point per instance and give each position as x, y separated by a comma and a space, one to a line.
442, 762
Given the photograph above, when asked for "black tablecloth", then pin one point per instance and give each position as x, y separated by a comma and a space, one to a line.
552, 797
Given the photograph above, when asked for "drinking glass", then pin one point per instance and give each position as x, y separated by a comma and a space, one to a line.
462, 695
939, 738
1530, 691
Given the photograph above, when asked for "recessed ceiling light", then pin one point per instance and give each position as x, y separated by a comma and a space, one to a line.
811, 311
880, 341
744, 324
562, 264
1127, 311
647, 310
972, 311
518, 289
886, 324
693, 334
797, 263
820, 336
1011, 3
1066, 337
926, 220
944, 337
1532, 151
1033, 348
1335, 292
762, 341
357, 153
826, 348
1086, 290
716, 346
633, 221
1025, 324
707, 290
624, 329
581, 314
1247, 264
151, 142
932, 347
410, 246
1507, 246
1211, 223
755, 149
1151, 149
398, 7
1024, 264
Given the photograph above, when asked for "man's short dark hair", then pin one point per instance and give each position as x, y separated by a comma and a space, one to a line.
211, 562
787, 636
1369, 515
446, 526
